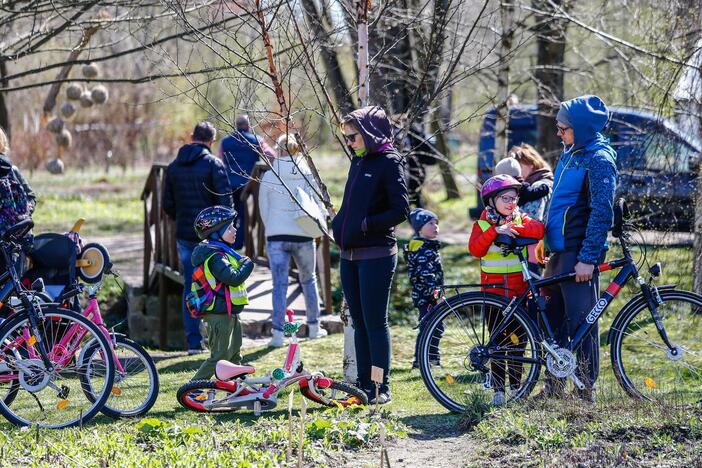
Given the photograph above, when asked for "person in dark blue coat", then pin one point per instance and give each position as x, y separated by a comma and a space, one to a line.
240, 152
375, 201
195, 180
581, 212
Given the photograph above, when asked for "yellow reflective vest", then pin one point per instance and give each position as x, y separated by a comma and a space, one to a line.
494, 261
236, 294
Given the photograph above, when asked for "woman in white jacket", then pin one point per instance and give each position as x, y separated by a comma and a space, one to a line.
290, 231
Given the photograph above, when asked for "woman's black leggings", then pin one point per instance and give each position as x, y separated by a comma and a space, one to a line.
366, 285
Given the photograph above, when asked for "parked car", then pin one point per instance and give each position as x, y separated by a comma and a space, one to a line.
657, 163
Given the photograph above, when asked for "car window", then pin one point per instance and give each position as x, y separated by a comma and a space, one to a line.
666, 154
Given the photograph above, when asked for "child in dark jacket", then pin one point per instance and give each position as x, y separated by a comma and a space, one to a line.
425, 273
225, 271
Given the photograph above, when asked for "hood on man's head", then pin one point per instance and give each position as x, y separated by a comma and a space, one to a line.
374, 126
588, 116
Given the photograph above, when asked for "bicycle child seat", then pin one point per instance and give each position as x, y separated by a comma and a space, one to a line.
505, 241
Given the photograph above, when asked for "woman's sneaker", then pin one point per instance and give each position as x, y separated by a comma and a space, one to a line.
316, 331
383, 397
278, 339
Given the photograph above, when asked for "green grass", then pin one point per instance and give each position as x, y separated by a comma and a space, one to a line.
109, 202
173, 436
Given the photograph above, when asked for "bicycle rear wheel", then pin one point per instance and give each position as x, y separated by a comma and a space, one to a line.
207, 396
52, 395
643, 363
460, 363
135, 386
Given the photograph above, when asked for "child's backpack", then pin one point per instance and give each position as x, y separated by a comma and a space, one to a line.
202, 295
14, 203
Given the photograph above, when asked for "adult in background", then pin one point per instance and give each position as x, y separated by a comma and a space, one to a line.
240, 152
580, 214
375, 201
526, 165
285, 188
195, 180
537, 180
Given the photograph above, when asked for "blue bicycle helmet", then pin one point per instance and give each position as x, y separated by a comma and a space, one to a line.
211, 220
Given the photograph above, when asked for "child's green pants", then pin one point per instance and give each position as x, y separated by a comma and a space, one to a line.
224, 336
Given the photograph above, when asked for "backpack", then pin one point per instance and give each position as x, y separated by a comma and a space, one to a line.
201, 297
14, 203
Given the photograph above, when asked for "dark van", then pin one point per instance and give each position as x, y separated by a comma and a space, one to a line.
657, 163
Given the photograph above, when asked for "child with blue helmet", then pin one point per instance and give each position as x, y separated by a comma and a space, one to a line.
219, 266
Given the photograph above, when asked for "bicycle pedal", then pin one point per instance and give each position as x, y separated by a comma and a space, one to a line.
62, 404
116, 390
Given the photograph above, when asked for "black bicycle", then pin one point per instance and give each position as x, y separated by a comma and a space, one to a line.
484, 341
41, 380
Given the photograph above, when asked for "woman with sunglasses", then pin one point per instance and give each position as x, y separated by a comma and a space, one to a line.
502, 216
375, 201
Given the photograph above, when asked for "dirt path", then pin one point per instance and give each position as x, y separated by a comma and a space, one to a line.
443, 449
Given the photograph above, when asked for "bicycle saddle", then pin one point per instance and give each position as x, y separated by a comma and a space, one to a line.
18, 231
226, 370
503, 240
621, 212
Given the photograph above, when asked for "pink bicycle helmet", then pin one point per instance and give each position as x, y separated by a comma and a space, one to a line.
497, 184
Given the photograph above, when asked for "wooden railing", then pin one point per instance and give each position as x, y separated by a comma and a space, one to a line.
161, 263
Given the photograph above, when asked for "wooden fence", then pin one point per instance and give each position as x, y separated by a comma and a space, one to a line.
161, 263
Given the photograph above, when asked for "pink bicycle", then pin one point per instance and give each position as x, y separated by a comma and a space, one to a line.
136, 383
234, 388
42, 381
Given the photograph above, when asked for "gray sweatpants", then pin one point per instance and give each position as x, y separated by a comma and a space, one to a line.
567, 306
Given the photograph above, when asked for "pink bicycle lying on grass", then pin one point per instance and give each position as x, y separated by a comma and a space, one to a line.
234, 388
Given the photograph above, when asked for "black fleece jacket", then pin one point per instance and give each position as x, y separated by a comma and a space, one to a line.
375, 196
195, 180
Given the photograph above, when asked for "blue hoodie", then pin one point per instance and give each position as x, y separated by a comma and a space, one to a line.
581, 209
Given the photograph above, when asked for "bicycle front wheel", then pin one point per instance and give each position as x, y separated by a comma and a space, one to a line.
644, 365
468, 351
50, 392
136, 382
337, 394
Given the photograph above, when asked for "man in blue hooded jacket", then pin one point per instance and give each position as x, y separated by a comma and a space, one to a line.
579, 216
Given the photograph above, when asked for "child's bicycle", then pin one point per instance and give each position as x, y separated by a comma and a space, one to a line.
136, 383
656, 350
234, 388
41, 380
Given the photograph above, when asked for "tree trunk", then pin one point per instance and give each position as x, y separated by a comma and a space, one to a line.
551, 42
4, 112
342, 96
363, 66
697, 244
443, 148
501, 108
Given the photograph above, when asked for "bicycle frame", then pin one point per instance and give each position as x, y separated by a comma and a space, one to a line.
263, 391
628, 270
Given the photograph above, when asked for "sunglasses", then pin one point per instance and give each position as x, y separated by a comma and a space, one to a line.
350, 137
561, 129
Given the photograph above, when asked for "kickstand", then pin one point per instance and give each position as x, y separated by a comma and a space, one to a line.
257, 408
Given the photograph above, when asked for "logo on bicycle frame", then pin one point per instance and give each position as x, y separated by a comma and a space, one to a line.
596, 311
